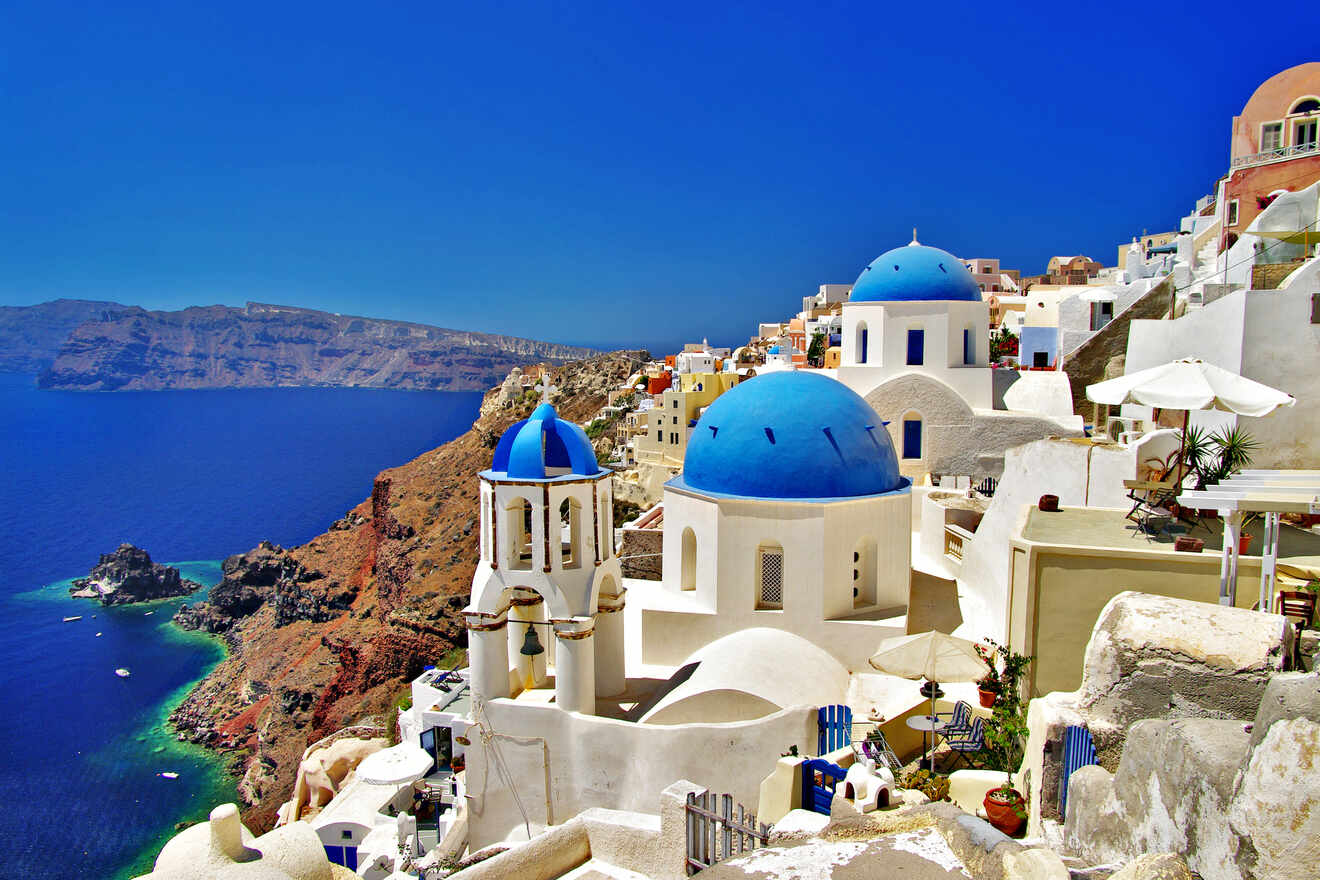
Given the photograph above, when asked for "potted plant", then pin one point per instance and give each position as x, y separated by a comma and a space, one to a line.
1005, 738
1006, 808
989, 686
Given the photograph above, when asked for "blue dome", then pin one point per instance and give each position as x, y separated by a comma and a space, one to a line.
540, 442
791, 435
915, 273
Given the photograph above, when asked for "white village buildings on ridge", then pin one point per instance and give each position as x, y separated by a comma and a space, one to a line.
872, 470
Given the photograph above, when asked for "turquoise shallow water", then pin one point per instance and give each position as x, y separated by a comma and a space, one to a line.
188, 475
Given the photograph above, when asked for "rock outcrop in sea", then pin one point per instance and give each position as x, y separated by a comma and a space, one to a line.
128, 575
329, 634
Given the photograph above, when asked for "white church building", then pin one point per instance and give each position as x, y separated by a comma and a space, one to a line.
916, 346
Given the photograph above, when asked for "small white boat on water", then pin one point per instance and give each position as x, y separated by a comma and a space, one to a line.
148, 614
168, 774
122, 672
72, 619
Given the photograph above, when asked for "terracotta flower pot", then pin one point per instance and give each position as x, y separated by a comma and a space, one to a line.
1005, 813
1048, 503
1244, 542
988, 698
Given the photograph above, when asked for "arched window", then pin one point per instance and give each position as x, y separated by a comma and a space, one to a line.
1306, 105
861, 342
689, 578
518, 529
864, 572
969, 347
912, 436
570, 533
770, 576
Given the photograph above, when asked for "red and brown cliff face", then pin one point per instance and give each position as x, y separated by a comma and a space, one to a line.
328, 633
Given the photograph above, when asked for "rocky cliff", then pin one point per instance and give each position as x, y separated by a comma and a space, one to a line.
31, 336
262, 346
331, 632
128, 575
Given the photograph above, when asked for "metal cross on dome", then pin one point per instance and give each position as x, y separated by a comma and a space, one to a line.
544, 388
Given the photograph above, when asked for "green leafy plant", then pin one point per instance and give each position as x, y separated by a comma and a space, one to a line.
1003, 344
816, 351
1218, 456
791, 753
1006, 729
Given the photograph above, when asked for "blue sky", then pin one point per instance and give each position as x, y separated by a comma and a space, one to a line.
613, 174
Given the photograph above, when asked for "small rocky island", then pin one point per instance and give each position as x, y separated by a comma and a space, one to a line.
128, 575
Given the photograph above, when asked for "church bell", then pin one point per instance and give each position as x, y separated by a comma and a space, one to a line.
531, 644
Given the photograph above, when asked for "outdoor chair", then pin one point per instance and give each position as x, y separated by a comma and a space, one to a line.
960, 721
969, 742
1299, 609
1155, 496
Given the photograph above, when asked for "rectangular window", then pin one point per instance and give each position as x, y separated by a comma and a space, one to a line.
1304, 134
675, 404
916, 349
1271, 136
969, 352
1232, 213
912, 438
770, 573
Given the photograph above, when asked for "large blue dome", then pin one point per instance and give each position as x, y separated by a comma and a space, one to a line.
915, 273
540, 443
791, 435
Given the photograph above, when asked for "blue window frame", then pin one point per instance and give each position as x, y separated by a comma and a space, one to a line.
912, 438
862, 346
969, 355
916, 353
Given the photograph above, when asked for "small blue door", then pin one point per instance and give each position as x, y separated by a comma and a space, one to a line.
350, 858
912, 438
335, 854
916, 347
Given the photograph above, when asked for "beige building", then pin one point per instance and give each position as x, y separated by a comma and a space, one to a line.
666, 436
1146, 241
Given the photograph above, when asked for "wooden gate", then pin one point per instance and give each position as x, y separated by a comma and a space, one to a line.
834, 726
716, 831
819, 779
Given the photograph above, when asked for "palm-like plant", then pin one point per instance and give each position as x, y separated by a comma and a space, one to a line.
1218, 456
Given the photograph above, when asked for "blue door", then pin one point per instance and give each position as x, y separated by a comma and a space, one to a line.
916, 347
350, 857
819, 779
912, 438
335, 854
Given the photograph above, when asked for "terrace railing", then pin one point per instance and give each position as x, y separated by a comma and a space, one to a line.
1276, 154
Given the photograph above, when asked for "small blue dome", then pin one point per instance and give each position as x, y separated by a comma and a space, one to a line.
543, 441
795, 435
915, 273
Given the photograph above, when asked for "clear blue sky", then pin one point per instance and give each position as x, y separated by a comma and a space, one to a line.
615, 173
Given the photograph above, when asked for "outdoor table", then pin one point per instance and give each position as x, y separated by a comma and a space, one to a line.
933, 725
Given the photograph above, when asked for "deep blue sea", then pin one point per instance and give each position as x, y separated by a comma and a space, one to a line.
191, 476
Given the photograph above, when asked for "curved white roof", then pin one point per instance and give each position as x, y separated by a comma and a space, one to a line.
750, 674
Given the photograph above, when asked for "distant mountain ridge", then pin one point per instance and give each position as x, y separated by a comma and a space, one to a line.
263, 345
31, 336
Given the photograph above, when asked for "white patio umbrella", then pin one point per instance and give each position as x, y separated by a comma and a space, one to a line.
395, 765
1191, 383
934, 656
1188, 384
